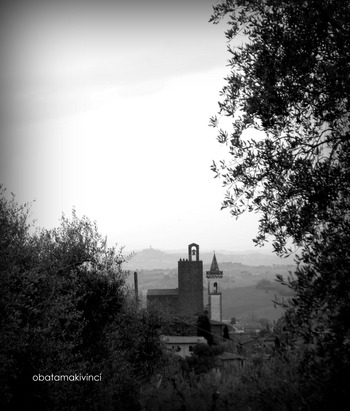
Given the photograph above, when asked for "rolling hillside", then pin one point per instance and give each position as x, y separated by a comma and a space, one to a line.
248, 303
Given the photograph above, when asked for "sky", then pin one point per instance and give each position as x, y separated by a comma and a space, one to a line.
105, 107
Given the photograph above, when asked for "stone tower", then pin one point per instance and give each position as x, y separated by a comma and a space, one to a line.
190, 277
214, 277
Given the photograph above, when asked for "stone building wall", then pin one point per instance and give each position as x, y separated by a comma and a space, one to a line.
190, 276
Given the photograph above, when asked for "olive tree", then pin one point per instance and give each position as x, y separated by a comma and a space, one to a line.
286, 99
289, 81
66, 310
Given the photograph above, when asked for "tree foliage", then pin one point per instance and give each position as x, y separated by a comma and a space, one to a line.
319, 315
287, 96
204, 328
258, 385
288, 80
65, 310
203, 358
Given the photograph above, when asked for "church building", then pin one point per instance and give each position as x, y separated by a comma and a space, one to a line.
214, 277
187, 299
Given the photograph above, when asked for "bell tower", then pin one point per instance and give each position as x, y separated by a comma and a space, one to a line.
190, 276
214, 277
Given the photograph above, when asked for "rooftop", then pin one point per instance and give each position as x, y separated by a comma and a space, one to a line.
183, 339
163, 291
214, 270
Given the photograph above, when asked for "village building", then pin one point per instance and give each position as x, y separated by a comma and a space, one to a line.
182, 344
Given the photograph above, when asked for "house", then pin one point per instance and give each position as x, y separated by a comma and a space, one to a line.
182, 344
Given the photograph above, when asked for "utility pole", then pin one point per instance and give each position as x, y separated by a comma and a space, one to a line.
136, 286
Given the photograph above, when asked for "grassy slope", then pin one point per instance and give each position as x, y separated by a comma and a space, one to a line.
247, 302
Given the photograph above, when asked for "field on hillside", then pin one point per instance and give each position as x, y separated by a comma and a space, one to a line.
249, 303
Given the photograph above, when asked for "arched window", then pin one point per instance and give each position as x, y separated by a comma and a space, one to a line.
193, 252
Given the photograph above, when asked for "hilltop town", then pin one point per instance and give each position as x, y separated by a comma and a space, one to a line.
240, 323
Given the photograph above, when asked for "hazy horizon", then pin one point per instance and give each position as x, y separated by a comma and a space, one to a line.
259, 250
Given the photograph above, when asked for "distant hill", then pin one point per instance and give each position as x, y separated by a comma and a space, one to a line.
149, 259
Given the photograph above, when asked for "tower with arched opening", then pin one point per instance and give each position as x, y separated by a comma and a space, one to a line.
214, 277
190, 278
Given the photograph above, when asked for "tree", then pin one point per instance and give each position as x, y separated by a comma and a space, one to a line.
65, 310
264, 284
204, 328
287, 95
288, 81
226, 334
319, 314
203, 358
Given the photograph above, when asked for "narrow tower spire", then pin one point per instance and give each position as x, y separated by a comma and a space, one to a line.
214, 275
214, 271
214, 268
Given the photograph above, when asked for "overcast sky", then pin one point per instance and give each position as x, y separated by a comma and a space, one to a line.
105, 107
